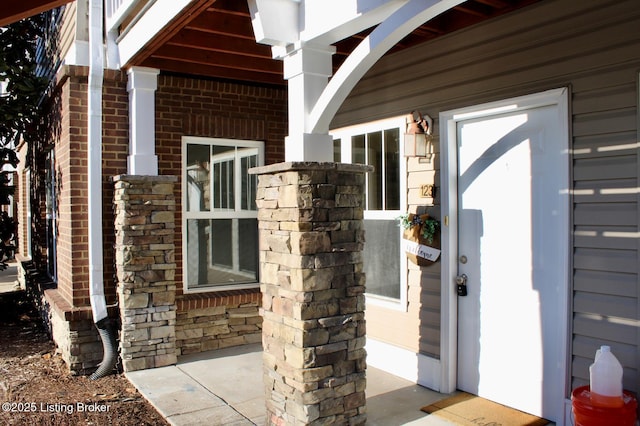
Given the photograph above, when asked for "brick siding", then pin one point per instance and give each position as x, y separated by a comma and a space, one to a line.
184, 106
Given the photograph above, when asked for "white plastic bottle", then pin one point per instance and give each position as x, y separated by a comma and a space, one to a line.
605, 375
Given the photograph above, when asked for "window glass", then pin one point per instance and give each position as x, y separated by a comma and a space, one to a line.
382, 267
221, 239
223, 161
51, 201
337, 151
375, 178
378, 144
249, 182
392, 169
197, 176
358, 150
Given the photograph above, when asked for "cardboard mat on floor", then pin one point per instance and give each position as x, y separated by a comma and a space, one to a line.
471, 410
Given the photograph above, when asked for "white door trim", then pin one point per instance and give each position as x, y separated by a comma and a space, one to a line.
448, 167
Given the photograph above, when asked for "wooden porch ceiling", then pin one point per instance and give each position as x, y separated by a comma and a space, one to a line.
215, 39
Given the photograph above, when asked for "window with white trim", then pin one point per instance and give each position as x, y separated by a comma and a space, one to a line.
379, 144
220, 218
51, 212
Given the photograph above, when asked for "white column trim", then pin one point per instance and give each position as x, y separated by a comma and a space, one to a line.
142, 84
307, 69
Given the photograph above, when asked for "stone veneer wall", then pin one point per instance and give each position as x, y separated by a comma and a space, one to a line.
74, 332
233, 320
145, 270
311, 240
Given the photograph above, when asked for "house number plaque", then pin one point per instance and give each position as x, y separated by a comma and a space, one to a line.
427, 191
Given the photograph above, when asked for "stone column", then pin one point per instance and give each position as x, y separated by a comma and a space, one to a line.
145, 269
311, 241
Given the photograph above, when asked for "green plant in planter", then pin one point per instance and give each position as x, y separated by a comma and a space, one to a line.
428, 226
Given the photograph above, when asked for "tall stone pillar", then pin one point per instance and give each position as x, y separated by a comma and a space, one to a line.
311, 240
145, 270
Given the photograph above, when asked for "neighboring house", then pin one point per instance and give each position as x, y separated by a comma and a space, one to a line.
534, 159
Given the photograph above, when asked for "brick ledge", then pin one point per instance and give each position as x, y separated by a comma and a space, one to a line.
218, 298
64, 309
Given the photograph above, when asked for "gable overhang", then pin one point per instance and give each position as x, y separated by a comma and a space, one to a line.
13, 11
148, 27
217, 38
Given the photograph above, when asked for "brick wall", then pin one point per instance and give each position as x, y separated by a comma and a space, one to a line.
185, 106
216, 109
66, 307
71, 173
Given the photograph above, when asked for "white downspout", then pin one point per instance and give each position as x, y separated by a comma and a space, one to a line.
94, 164
94, 196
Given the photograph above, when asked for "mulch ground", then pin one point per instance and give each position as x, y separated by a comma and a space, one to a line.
36, 387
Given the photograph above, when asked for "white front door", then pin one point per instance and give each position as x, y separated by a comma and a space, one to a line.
512, 205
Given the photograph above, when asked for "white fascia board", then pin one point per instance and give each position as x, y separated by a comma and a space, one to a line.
275, 22
329, 21
148, 26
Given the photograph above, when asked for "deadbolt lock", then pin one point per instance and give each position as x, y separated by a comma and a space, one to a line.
461, 284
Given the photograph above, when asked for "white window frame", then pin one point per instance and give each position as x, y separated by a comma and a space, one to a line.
345, 134
217, 213
51, 214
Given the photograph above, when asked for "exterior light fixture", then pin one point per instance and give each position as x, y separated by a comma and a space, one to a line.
418, 139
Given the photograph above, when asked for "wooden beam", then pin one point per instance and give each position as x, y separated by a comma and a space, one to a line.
221, 43
235, 60
471, 10
15, 10
498, 4
235, 7
223, 23
190, 68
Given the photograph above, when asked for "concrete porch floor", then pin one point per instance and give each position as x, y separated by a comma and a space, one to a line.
224, 387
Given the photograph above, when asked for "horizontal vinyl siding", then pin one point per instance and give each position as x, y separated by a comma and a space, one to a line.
68, 28
58, 40
593, 48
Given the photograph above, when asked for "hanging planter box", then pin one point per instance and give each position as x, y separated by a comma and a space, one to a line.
421, 238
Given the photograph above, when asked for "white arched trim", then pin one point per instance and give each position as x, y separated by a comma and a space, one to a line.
373, 47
